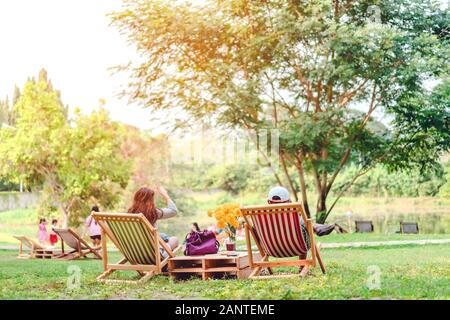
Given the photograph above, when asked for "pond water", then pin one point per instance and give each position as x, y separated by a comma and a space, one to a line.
429, 222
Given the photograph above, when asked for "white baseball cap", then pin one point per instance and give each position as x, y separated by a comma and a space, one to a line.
279, 192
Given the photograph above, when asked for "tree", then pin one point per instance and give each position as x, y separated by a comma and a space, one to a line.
318, 71
77, 163
4, 112
445, 189
149, 157
16, 97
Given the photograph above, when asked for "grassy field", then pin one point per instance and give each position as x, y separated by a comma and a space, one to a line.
406, 272
416, 272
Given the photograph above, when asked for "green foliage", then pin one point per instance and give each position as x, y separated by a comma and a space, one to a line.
77, 163
308, 69
230, 178
379, 182
4, 112
445, 189
7, 186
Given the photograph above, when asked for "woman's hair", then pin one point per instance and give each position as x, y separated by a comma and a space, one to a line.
54, 221
95, 209
144, 203
42, 220
196, 227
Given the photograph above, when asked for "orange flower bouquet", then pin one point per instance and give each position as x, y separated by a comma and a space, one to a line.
227, 217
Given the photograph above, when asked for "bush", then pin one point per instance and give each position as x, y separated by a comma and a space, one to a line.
7, 186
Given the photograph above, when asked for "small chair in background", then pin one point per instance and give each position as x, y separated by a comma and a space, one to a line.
36, 250
409, 227
363, 226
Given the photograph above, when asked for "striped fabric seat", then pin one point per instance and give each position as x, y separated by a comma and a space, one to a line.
139, 242
70, 239
136, 242
280, 233
80, 247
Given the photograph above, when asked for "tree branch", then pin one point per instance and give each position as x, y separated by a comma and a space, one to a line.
301, 174
347, 153
288, 178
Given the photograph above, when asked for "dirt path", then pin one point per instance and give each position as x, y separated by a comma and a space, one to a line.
338, 244
383, 243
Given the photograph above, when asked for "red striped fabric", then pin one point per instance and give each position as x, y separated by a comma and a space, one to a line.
279, 232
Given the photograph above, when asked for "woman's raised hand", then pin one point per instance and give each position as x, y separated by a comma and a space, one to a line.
163, 192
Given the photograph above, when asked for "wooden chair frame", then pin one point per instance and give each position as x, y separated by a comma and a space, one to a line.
258, 266
82, 249
145, 271
36, 249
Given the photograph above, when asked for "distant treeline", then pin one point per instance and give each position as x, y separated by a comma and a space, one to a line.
6, 186
376, 183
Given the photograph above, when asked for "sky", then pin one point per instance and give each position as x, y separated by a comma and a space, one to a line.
72, 39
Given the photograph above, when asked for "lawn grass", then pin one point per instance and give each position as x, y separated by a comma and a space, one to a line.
406, 272
416, 272
17, 222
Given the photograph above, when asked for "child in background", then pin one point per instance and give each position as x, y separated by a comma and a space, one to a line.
93, 228
42, 233
53, 235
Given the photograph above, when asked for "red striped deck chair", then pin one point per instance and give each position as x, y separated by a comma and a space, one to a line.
277, 233
138, 241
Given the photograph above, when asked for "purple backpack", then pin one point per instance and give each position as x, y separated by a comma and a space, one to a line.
201, 243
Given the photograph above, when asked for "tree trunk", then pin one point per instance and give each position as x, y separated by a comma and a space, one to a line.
321, 208
288, 178
301, 174
65, 221
66, 215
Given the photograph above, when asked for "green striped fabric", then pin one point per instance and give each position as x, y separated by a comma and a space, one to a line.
136, 241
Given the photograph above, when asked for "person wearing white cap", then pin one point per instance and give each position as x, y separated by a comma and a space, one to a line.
278, 195
281, 195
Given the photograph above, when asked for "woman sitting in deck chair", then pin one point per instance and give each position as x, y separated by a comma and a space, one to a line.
144, 203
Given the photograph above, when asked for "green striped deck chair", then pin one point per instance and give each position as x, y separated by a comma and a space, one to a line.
138, 241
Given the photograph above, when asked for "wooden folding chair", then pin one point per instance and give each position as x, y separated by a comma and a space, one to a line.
362, 226
80, 248
138, 241
276, 230
409, 227
36, 249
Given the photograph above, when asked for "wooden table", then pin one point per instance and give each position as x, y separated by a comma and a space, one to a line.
220, 265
